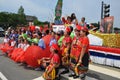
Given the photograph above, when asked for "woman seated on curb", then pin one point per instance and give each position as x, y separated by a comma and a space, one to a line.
54, 62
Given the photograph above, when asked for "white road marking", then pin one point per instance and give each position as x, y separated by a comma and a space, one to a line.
106, 71
2, 76
39, 78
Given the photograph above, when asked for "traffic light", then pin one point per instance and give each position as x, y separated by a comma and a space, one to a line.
106, 10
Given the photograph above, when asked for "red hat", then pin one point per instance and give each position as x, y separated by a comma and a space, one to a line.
78, 27
84, 29
68, 29
55, 46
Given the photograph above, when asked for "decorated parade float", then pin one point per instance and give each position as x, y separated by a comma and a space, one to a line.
105, 49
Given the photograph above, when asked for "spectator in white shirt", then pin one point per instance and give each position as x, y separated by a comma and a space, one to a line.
6, 39
26, 45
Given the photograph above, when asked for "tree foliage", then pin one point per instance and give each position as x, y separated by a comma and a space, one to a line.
21, 11
39, 23
11, 19
116, 28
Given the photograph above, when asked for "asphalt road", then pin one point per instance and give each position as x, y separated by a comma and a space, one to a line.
13, 71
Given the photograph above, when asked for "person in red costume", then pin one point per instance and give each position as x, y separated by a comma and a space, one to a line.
45, 61
65, 49
75, 50
83, 62
63, 20
53, 60
32, 28
68, 21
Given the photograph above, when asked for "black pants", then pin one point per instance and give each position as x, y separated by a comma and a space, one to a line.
85, 60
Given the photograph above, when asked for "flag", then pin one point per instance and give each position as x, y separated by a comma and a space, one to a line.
58, 10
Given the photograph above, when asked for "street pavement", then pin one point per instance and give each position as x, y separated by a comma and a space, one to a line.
9, 70
14, 71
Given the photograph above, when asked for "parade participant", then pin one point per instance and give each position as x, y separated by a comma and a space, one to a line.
12, 34
74, 19
47, 32
83, 62
63, 20
72, 32
68, 21
53, 39
41, 42
61, 38
54, 62
32, 28
16, 37
57, 36
50, 40
28, 32
8, 31
10, 48
75, 50
65, 48
35, 39
5, 45
83, 23
6, 40
12, 42
21, 53
24, 35
21, 43
26, 45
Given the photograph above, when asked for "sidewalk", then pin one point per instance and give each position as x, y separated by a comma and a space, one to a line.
111, 71
105, 70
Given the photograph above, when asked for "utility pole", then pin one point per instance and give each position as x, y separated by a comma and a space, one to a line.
102, 10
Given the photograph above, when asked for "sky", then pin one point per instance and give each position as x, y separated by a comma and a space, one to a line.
44, 9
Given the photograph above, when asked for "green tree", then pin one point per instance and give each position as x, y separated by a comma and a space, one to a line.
21, 11
4, 19
22, 17
39, 23
36, 22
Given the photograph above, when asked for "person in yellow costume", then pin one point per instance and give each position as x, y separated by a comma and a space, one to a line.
82, 65
52, 69
65, 50
75, 50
